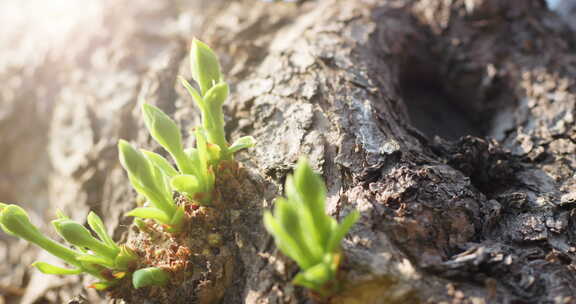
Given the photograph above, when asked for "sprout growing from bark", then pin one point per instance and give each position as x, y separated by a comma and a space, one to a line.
154, 177
98, 256
213, 93
150, 181
305, 233
93, 251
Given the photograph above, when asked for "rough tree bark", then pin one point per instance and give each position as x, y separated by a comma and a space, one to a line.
448, 124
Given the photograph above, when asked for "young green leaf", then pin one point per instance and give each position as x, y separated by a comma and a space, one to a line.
213, 117
151, 276
126, 258
96, 224
146, 178
163, 129
195, 94
201, 160
60, 214
136, 165
303, 231
287, 216
79, 236
202, 147
14, 220
287, 244
342, 229
310, 189
150, 213
157, 196
161, 163
187, 184
242, 143
204, 65
51, 269
213, 93
216, 96
314, 276
103, 285
313, 235
87, 259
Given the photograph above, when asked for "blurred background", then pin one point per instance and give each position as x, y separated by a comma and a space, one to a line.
69, 72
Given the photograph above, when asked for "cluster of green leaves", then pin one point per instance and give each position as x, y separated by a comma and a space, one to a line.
154, 177
304, 232
98, 256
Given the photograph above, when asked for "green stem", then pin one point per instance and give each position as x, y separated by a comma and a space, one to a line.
161, 202
54, 248
15, 220
214, 125
104, 250
154, 195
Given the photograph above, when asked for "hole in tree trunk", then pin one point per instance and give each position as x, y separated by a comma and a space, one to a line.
433, 110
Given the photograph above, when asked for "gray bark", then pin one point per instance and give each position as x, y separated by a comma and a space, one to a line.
382, 96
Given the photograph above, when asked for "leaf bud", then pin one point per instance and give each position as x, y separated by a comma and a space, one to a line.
204, 65
151, 276
163, 129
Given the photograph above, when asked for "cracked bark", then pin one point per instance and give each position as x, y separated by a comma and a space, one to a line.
361, 87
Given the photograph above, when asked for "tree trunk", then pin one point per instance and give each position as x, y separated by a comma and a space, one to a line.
448, 124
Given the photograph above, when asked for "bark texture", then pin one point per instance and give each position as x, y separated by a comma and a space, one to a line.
448, 124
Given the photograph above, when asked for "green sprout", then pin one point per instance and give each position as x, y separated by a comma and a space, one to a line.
213, 93
151, 276
304, 232
98, 256
155, 177
149, 180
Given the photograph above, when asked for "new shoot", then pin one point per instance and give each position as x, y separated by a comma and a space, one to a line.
194, 176
305, 233
98, 256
